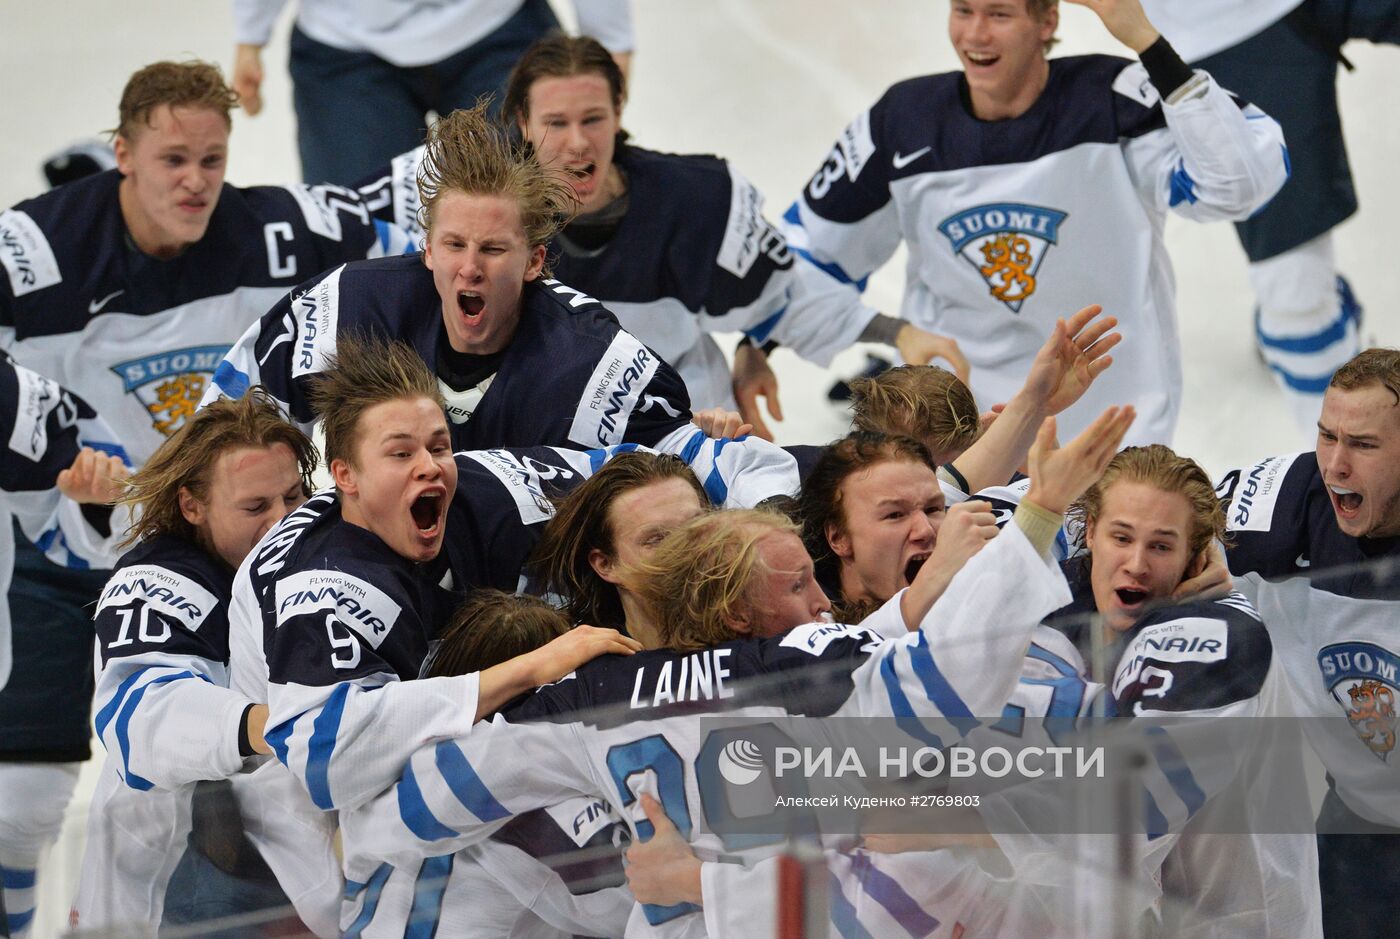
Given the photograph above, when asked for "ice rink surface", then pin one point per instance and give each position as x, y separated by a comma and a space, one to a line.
767, 84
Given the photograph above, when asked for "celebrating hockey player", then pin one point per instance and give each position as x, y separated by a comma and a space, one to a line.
1013, 211
1315, 539
165, 712
128, 287
521, 360
677, 246
349, 596
711, 580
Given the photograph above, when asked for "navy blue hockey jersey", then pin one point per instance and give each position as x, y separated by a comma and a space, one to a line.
1330, 601
82, 305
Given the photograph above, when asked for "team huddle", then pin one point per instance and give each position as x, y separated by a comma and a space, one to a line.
464, 688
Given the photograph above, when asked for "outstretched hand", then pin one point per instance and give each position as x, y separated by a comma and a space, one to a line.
1073, 356
754, 379
920, 347
93, 478
1126, 20
719, 422
966, 530
1059, 475
662, 870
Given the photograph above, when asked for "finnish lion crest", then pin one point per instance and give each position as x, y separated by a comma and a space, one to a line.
1362, 678
169, 385
1006, 242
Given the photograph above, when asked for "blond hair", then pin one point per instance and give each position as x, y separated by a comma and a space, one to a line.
468, 153
360, 374
1161, 468
192, 84
186, 461
702, 576
925, 402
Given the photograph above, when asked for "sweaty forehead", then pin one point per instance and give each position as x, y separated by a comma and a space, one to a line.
1370, 410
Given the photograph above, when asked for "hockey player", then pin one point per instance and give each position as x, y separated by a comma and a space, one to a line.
1315, 540
46, 427
1024, 186
1283, 55
1146, 524
677, 246
165, 712
128, 287
349, 596
606, 526
715, 578
521, 361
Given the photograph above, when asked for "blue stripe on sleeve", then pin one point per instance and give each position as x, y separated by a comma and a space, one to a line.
692, 447
835, 270
276, 738
124, 719
1156, 821
230, 380
428, 891
414, 811
324, 730
1178, 773
843, 914
104, 716
14, 922
371, 902
886, 891
760, 332
465, 784
936, 686
715, 486
903, 713
1183, 187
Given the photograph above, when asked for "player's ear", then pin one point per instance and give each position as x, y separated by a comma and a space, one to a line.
194, 511
343, 475
536, 263
838, 539
122, 149
604, 566
740, 623
1049, 22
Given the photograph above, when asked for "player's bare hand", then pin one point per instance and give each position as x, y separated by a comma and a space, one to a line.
966, 529
1059, 475
560, 656
1075, 354
662, 870
94, 478
247, 77
920, 347
1208, 577
255, 724
719, 422
624, 62
754, 379
1126, 20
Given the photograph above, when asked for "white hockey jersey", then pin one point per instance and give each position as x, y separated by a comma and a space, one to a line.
84, 307
1330, 602
1013, 223
1198, 28
647, 737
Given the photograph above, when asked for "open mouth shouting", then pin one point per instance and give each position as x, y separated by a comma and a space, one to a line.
913, 565
428, 511
470, 303
1345, 502
1132, 599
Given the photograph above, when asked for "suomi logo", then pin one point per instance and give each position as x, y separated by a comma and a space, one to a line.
1006, 242
1363, 679
170, 384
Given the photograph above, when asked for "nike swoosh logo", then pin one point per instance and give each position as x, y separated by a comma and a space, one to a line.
95, 306
1302, 561
900, 161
